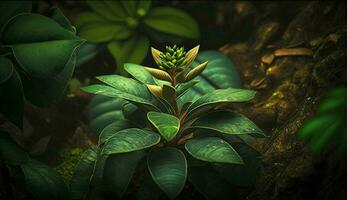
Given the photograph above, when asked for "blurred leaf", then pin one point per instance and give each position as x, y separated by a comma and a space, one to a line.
58, 16
168, 168
6, 69
213, 149
129, 140
87, 52
130, 7
167, 125
43, 182
86, 18
133, 50
104, 9
172, 21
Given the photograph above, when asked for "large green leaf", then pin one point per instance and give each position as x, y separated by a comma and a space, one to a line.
9, 9
112, 129
79, 187
172, 21
242, 175
85, 18
139, 73
167, 125
129, 140
105, 9
210, 184
119, 170
57, 15
168, 167
122, 87
43, 182
213, 149
220, 73
10, 152
229, 123
11, 99
31, 34
219, 97
132, 50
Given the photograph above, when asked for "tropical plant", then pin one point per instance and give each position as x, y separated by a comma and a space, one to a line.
37, 58
168, 134
126, 26
38, 55
329, 124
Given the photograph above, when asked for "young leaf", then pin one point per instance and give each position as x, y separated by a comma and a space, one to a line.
213, 149
167, 125
118, 171
43, 182
139, 73
219, 96
159, 74
155, 90
156, 55
172, 21
229, 123
168, 168
196, 71
191, 55
129, 140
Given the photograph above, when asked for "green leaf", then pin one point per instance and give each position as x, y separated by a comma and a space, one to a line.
31, 34
100, 122
119, 170
122, 87
139, 73
87, 52
148, 190
229, 123
167, 125
43, 182
10, 152
130, 7
241, 175
129, 140
168, 168
133, 50
219, 97
143, 7
79, 187
6, 69
112, 129
97, 32
9, 9
104, 9
85, 18
172, 21
210, 184
58, 16
117, 8
213, 149
12, 99
135, 115
184, 87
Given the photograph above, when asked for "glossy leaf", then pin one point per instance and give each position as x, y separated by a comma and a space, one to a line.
172, 21
139, 73
58, 44
218, 97
159, 74
196, 71
168, 168
213, 149
43, 182
129, 140
10, 152
167, 125
79, 187
191, 55
119, 169
229, 123
112, 129
132, 50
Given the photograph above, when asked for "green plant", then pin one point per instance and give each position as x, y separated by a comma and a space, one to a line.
38, 56
125, 26
329, 124
172, 136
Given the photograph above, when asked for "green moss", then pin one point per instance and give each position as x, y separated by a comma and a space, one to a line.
71, 157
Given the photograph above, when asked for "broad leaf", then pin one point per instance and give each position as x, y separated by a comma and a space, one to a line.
79, 187
119, 170
9, 9
167, 125
129, 140
58, 16
139, 73
168, 167
43, 182
104, 111
112, 129
10, 152
172, 21
229, 123
213, 149
219, 97
132, 50
31, 34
